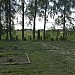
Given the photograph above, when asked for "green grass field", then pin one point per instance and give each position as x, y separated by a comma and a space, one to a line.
49, 35
27, 34
47, 58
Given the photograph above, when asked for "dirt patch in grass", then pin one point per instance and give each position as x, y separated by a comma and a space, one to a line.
18, 59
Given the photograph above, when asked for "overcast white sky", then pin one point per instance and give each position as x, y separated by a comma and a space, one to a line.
39, 24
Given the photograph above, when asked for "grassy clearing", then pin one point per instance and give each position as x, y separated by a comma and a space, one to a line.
47, 58
27, 34
49, 35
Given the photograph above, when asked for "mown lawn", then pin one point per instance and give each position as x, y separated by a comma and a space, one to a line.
47, 58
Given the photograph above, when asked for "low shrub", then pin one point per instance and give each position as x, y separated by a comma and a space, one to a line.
24, 39
52, 39
16, 37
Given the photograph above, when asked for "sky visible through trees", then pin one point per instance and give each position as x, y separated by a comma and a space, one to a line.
39, 24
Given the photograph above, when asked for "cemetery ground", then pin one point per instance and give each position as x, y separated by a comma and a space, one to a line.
46, 58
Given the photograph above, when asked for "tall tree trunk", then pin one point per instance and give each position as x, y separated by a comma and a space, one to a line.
34, 29
64, 22
22, 21
45, 20
34, 19
64, 26
10, 20
6, 15
0, 22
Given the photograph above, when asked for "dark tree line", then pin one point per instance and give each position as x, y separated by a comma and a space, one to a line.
7, 12
34, 9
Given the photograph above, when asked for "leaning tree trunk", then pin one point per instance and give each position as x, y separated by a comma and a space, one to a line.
10, 20
34, 19
45, 21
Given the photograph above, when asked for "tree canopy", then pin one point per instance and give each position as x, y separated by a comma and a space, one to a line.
34, 9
